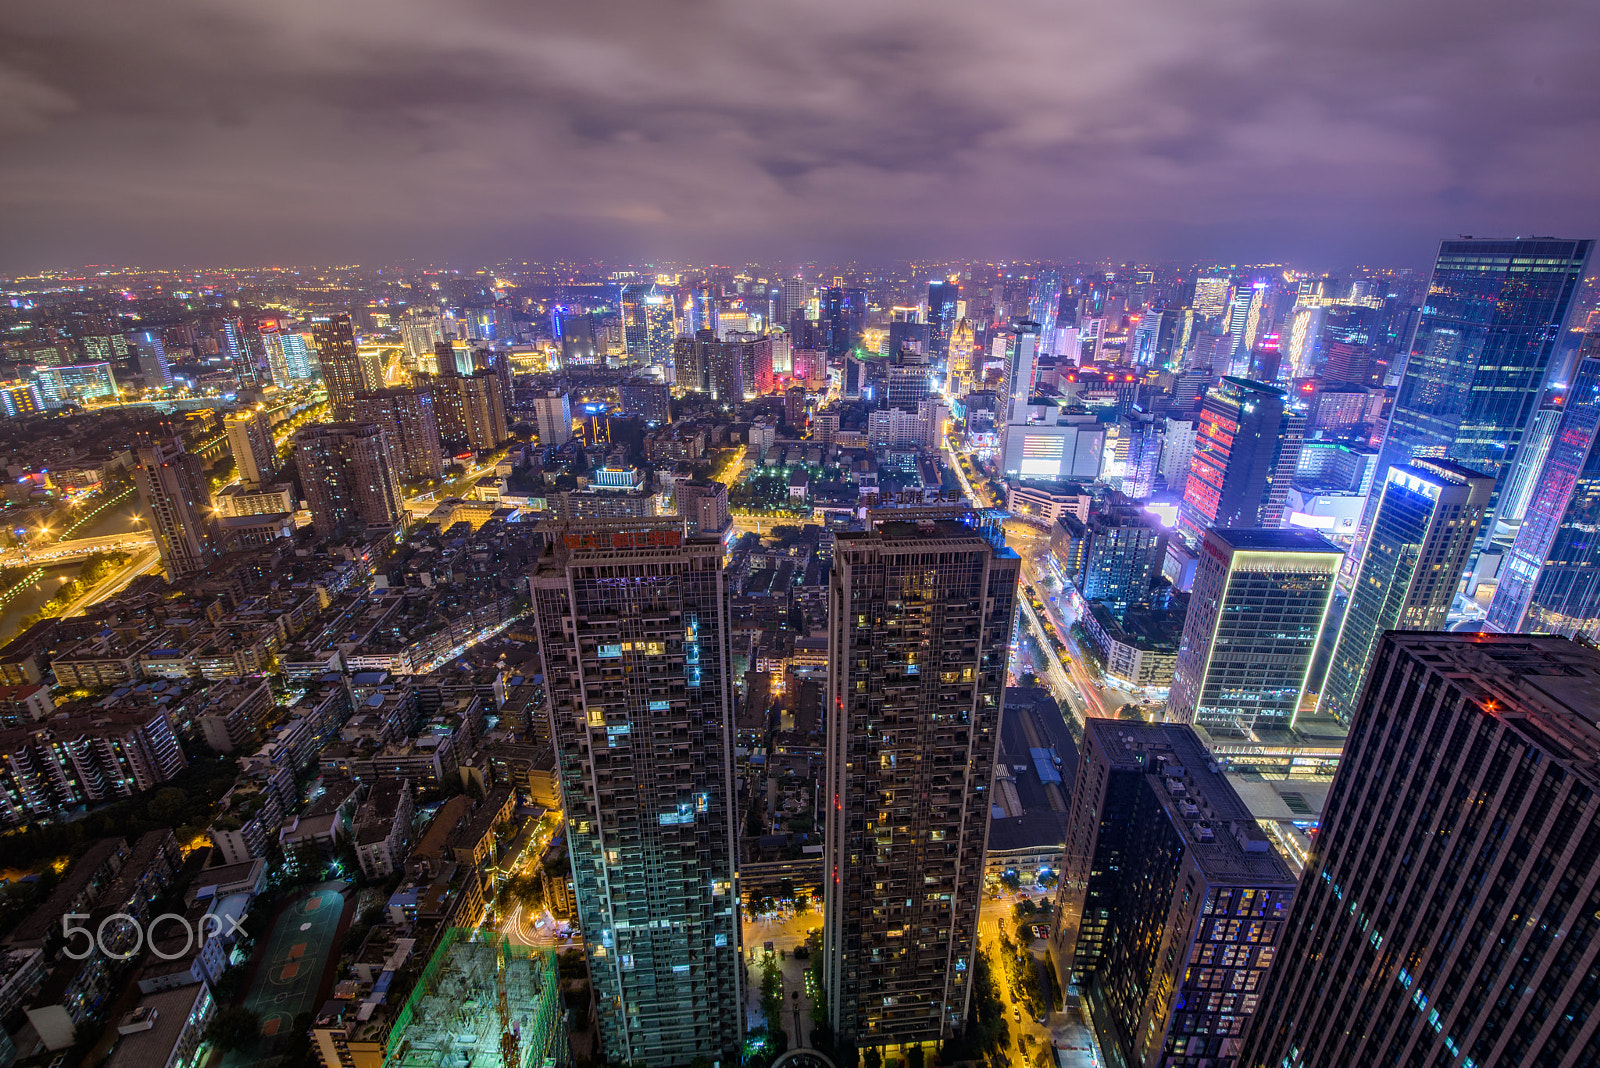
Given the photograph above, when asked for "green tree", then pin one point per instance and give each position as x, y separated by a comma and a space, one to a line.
233, 1027
872, 1058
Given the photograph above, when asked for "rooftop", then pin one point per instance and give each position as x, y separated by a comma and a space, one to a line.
1266, 539
1217, 827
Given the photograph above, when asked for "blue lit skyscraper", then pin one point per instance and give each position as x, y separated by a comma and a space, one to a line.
1551, 581
1429, 512
1488, 328
942, 299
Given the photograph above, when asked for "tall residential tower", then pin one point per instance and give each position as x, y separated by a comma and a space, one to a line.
635, 633
920, 616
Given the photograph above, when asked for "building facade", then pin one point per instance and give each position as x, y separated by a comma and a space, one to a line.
177, 498
351, 477
1449, 912
1422, 536
1246, 449
255, 454
407, 416
634, 619
1257, 608
921, 610
1489, 326
1171, 900
341, 365
1552, 574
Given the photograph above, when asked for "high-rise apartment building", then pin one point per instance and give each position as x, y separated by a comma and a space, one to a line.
1428, 517
1126, 550
1259, 601
152, 359
255, 453
1171, 899
636, 637
1550, 581
407, 416
1246, 446
1449, 912
482, 407
341, 365
552, 413
351, 476
796, 294
650, 401
1493, 315
920, 610
649, 324
172, 483
703, 504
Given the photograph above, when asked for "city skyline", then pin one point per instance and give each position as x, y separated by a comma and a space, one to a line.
1029, 130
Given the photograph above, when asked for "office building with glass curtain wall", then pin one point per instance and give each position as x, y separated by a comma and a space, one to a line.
1427, 520
1476, 366
1551, 582
634, 624
1257, 608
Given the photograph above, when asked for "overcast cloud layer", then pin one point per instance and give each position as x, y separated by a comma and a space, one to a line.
1339, 131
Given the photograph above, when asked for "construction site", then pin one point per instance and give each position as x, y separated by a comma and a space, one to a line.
482, 1002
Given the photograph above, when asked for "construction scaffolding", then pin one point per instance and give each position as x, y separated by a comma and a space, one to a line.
481, 1002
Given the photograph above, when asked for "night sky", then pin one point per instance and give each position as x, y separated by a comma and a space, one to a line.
1328, 132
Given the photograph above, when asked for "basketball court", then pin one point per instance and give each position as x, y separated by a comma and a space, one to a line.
295, 956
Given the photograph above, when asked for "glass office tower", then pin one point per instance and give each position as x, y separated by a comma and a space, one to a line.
1493, 315
1428, 517
1259, 601
1552, 576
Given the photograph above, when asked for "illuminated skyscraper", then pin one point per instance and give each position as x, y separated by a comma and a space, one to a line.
341, 366
1493, 315
845, 311
553, 417
649, 321
796, 294
1551, 579
1044, 303
1259, 601
921, 611
177, 498
255, 454
1246, 447
1428, 516
635, 627
1211, 296
1301, 343
152, 359
1449, 911
942, 300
